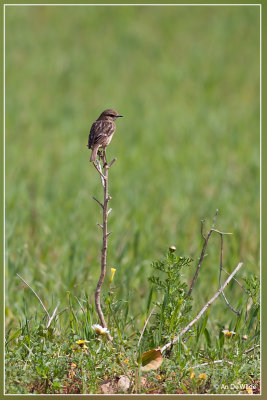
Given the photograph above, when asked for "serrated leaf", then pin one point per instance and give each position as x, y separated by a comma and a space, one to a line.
151, 359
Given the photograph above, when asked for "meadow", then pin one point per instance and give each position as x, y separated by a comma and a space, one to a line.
186, 80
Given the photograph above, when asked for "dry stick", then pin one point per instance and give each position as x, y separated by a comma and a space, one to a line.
206, 239
251, 349
212, 362
199, 262
204, 308
220, 274
104, 227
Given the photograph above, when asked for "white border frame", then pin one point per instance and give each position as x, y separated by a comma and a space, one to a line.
4, 92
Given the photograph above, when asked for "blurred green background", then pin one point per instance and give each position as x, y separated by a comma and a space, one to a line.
186, 80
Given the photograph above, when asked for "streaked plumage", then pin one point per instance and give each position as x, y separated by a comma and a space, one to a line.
102, 131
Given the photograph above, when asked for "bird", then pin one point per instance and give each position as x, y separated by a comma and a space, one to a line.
101, 132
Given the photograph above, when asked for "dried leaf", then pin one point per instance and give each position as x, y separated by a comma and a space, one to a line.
152, 359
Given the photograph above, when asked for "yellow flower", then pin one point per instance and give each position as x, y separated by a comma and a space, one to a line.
227, 333
173, 373
126, 361
82, 344
203, 377
192, 375
158, 377
249, 390
113, 270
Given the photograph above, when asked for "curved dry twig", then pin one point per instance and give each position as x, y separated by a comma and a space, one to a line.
220, 274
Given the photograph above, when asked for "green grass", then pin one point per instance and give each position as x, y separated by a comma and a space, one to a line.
186, 80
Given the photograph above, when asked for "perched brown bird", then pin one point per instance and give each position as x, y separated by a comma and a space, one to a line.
102, 131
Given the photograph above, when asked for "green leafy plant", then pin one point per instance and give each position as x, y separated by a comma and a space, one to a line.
173, 306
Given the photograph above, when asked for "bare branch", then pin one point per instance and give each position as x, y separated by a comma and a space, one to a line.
251, 349
104, 205
99, 202
204, 308
97, 166
199, 262
206, 239
212, 362
112, 162
221, 233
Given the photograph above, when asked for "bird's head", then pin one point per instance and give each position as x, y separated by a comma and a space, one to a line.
110, 114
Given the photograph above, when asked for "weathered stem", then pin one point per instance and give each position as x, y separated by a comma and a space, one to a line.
104, 206
206, 239
199, 262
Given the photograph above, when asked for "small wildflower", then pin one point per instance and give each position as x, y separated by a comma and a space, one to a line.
105, 377
82, 344
100, 330
249, 390
244, 337
158, 377
228, 333
73, 366
126, 361
192, 375
172, 249
203, 377
173, 373
113, 270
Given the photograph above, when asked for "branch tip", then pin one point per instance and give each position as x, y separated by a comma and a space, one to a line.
99, 202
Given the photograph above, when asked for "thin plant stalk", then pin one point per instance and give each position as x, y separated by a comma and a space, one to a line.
105, 234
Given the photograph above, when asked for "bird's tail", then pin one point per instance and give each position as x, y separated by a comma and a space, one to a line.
94, 154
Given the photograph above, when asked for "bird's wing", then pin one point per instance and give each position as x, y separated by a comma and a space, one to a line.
99, 130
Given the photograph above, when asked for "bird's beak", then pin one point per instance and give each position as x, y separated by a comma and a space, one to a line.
119, 116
